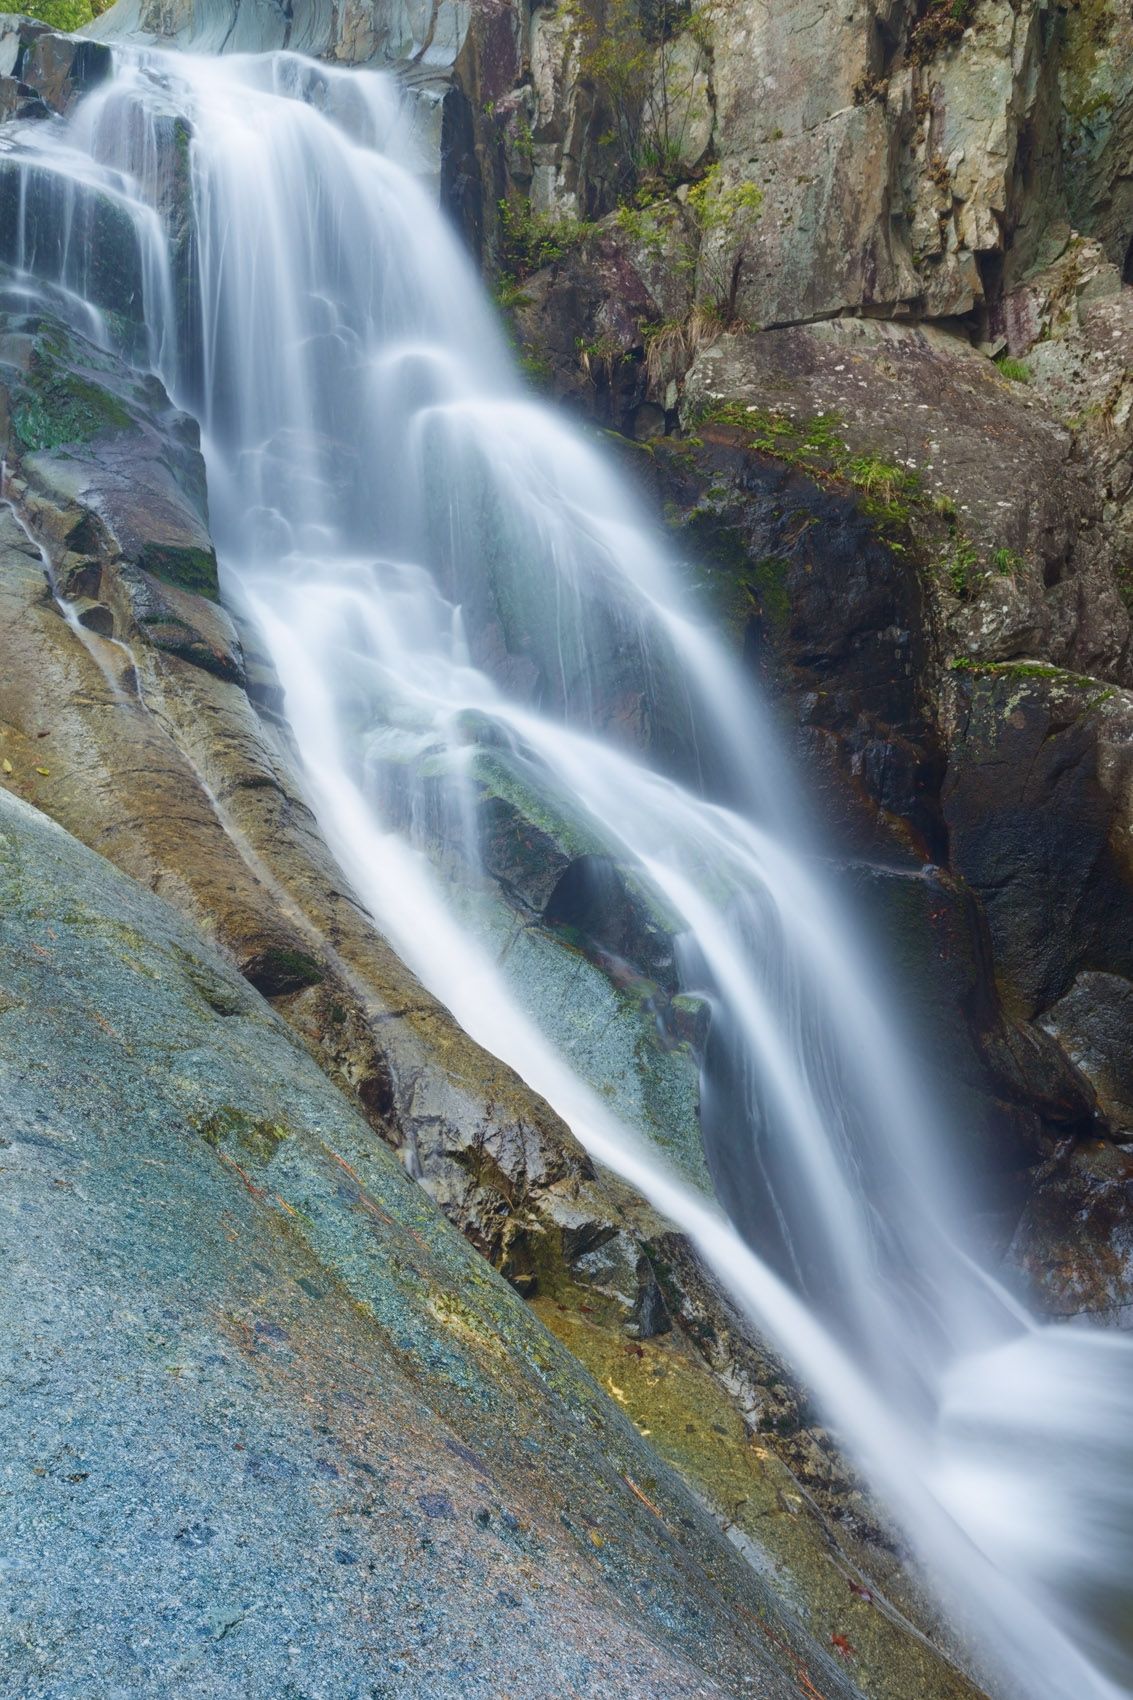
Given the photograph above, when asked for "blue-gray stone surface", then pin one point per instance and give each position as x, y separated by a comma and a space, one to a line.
269, 1427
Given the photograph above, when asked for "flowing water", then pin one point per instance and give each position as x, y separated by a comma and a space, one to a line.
463, 602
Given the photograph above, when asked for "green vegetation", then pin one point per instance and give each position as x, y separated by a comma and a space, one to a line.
648, 221
817, 446
1021, 671
736, 584
714, 206
529, 240
536, 367
281, 970
962, 566
1006, 562
65, 15
185, 565
1016, 370
1087, 38
511, 296
675, 343
57, 407
601, 354
769, 578
892, 496
644, 63
718, 209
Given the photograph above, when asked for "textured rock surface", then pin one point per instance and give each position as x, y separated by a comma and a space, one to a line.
279, 1428
40, 71
965, 164
928, 404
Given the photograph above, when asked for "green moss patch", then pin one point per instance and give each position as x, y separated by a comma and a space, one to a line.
906, 516
277, 971
56, 408
887, 492
188, 566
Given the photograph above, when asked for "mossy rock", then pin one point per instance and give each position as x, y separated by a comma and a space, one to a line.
277, 971
257, 1138
98, 227
57, 407
188, 566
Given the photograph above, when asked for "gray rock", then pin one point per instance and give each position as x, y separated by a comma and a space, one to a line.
238, 1343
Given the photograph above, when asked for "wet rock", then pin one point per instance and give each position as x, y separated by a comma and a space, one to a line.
275, 973
1004, 1090
582, 321
1096, 87
110, 476
829, 617
504, 1170
112, 269
839, 600
1035, 804
109, 464
1074, 1245
436, 1505
650, 1312
60, 67
1070, 327
96, 617
19, 100
1092, 1022
1026, 515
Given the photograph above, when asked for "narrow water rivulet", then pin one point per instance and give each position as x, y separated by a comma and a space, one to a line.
452, 584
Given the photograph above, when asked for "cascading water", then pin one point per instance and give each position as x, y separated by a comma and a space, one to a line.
453, 585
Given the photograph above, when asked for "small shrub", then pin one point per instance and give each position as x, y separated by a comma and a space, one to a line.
963, 569
65, 15
714, 207
511, 296
530, 241
536, 367
600, 355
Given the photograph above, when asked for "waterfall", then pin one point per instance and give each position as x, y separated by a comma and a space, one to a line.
462, 600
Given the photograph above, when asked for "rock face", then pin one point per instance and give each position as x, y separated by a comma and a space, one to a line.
337, 1446
888, 403
41, 72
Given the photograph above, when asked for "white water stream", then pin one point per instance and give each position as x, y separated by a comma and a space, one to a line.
446, 575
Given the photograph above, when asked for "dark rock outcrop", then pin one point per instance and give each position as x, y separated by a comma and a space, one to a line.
1035, 800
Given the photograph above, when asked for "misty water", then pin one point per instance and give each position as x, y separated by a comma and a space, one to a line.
457, 589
